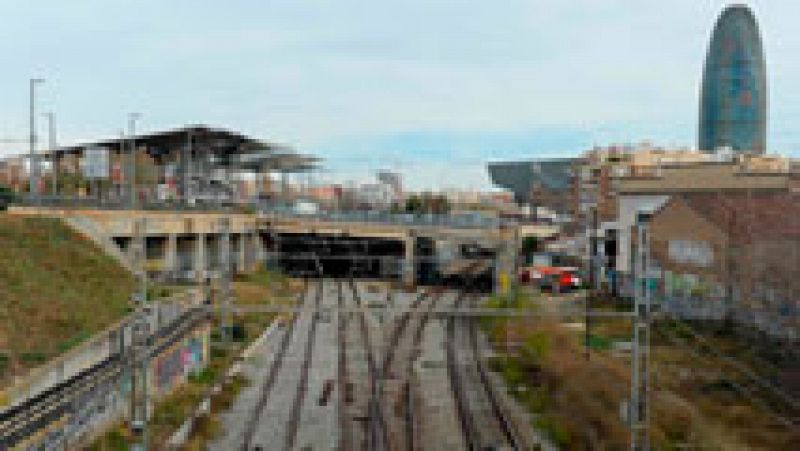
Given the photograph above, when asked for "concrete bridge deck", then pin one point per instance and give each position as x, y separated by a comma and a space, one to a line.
186, 244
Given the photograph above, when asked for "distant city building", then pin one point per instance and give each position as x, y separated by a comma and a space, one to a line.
596, 170
393, 180
733, 96
326, 194
378, 196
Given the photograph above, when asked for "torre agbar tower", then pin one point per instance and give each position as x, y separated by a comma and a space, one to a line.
733, 96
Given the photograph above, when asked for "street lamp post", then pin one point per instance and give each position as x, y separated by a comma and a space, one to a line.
33, 186
132, 118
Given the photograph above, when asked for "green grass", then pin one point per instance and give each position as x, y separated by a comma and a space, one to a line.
56, 289
600, 342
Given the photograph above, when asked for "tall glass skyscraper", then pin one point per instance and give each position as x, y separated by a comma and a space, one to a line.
733, 96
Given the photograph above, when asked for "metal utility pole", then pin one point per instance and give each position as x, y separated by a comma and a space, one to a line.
515, 268
592, 278
186, 158
33, 186
638, 409
140, 340
51, 144
225, 278
132, 117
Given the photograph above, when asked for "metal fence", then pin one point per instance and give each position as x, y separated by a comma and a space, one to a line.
457, 221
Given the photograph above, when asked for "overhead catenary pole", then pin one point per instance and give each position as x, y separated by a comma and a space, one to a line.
592, 280
638, 410
139, 398
225, 275
140, 332
186, 163
51, 145
33, 172
132, 117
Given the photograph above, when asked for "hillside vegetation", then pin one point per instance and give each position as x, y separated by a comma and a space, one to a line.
56, 289
577, 403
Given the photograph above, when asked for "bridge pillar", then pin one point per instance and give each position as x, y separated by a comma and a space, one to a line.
171, 253
409, 270
243, 264
258, 250
200, 264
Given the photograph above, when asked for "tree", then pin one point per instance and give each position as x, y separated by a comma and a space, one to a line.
7, 196
439, 204
414, 204
428, 203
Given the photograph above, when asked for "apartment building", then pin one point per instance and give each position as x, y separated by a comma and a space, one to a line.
628, 182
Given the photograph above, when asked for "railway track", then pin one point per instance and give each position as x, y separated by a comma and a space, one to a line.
398, 330
26, 422
18, 424
376, 422
396, 392
269, 382
483, 420
342, 375
384, 385
302, 385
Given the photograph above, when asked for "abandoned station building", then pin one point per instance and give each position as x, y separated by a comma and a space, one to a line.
193, 165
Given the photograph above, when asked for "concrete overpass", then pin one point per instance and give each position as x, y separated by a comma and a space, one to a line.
186, 245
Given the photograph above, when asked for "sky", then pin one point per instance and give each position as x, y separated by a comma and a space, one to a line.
431, 88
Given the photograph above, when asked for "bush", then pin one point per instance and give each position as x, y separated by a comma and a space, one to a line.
33, 357
557, 433
536, 347
599, 343
7, 196
206, 376
4, 358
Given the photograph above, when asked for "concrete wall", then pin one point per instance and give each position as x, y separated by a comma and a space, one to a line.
108, 402
95, 350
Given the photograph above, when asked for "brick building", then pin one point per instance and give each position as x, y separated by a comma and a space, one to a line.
649, 188
734, 253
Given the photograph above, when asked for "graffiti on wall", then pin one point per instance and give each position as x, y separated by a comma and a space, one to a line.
172, 366
693, 252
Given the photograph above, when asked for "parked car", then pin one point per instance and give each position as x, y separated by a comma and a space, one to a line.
560, 279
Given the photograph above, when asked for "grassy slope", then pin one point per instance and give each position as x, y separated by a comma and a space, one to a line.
56, 289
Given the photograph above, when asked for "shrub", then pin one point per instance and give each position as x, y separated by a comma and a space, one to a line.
7, 196
536, 347
35, 357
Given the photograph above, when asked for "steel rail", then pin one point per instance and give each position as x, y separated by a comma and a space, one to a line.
302, 385
269, 381
505, 423
376, 419
345, 429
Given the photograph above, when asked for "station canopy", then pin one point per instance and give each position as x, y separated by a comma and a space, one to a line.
221, 146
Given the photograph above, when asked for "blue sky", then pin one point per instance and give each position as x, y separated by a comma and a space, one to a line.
431, 88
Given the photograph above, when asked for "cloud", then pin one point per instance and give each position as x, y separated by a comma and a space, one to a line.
434, 82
